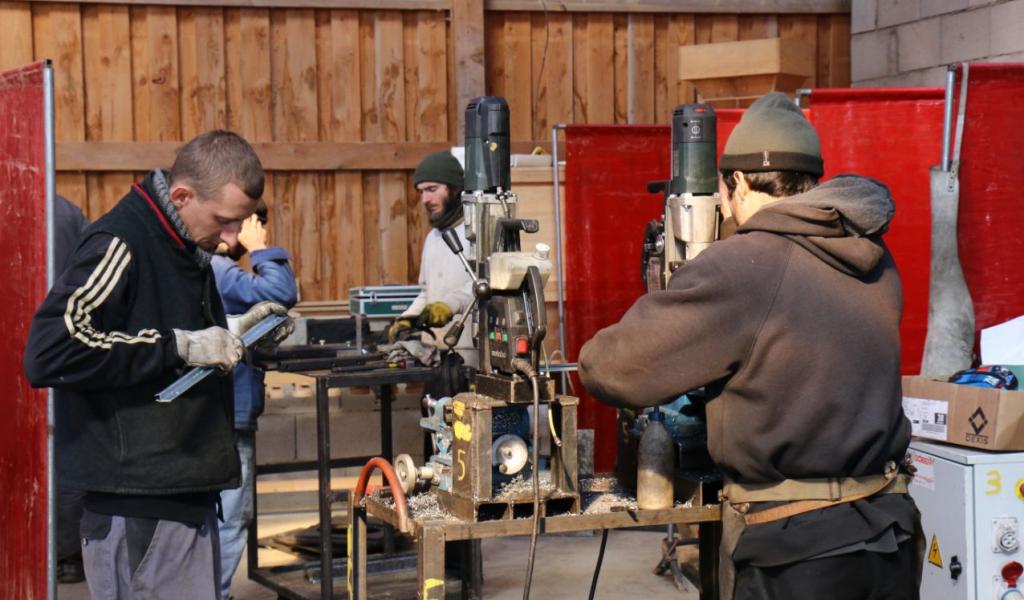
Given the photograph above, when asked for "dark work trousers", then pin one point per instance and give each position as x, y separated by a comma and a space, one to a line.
857, 576
69, 514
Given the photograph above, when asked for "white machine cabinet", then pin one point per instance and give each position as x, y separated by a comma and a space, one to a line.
972, 508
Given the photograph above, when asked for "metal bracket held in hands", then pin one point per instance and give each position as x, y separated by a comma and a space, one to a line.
197, 374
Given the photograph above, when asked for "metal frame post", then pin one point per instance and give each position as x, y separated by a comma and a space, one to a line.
325, 495
947, 116
49, 152
558, 249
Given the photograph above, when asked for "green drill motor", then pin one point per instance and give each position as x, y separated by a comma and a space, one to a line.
692, 204
488, 156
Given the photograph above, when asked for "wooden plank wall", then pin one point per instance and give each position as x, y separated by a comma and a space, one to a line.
148, 73
622, 68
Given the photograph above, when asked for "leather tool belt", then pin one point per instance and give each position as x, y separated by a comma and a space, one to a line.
800, 496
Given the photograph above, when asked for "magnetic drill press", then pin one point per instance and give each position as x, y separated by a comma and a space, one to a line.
692, 205
482, 438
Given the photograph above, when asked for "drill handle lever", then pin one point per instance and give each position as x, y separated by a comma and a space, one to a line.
452, 240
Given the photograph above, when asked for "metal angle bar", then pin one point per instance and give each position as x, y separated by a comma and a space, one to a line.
186, 381
559, 368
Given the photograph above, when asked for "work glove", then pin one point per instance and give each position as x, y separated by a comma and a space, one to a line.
211, 347
397, 327
436, 314
261, 311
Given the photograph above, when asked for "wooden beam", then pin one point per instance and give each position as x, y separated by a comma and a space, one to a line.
677, 6
276, 156
586, 6
335, 4
468, 35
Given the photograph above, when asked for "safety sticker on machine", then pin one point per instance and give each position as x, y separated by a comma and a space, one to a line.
933, 552
924, 475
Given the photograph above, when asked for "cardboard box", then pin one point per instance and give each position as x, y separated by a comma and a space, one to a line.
976, 417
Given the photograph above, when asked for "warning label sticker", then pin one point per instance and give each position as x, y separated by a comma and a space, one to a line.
924, 476
928, 418
934, 557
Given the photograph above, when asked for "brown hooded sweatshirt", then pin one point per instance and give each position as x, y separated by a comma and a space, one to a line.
793, 326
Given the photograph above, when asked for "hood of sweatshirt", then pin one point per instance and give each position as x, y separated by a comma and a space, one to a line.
840, 221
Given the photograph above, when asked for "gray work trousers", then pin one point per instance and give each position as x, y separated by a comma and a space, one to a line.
180, 562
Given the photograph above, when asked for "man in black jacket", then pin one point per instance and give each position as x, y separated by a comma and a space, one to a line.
135, 306
792, 327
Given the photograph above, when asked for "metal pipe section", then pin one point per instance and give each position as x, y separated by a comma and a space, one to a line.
947, 116
397, 492
51, 275
558, 247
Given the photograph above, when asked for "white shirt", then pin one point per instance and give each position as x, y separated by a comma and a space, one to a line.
444, 279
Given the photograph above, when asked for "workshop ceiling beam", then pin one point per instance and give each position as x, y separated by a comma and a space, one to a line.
275, 156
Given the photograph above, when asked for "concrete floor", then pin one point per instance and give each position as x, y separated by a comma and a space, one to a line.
564, 566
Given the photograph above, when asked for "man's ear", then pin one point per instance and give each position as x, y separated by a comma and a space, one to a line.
742, 187
181, 195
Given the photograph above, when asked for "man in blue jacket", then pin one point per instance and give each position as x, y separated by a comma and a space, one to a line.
272, 280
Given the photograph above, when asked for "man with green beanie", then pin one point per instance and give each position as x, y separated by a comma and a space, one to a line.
791, 325
447, 288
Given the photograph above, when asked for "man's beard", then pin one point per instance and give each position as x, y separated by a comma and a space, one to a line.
452, 213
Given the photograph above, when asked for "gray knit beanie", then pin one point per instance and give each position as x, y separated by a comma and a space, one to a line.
439, 167
773, 135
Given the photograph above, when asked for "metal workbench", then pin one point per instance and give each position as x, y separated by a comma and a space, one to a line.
283, 580
430, 535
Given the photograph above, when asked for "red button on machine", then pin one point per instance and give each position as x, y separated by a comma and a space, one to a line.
521, 347
1012, 572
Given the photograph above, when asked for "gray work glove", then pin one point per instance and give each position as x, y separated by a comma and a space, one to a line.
261, 311
211, 347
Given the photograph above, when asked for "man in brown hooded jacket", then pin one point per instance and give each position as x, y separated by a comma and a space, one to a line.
792, 327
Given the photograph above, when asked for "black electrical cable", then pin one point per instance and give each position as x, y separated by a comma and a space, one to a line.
597, 569
536, 487
527, 369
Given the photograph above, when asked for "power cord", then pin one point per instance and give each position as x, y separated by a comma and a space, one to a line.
600, 559
523, 366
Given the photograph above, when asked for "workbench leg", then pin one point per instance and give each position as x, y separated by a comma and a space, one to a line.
386, 395
471, 569
356, 551
710, 538
326, 496
430, 564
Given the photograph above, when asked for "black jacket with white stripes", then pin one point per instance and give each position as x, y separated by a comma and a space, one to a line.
103, 334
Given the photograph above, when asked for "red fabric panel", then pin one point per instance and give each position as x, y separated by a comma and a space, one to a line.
991, 183
895, 136
23, 251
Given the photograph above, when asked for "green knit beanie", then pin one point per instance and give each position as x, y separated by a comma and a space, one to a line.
773, 135
440, 167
